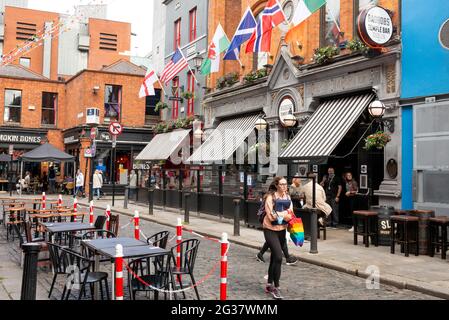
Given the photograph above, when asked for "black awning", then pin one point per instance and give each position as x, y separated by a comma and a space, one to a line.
47, 152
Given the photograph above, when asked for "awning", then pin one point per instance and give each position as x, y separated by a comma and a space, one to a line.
47, 152
163, 146
224, 141
326, 128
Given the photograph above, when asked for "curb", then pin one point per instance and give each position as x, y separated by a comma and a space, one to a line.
386, 280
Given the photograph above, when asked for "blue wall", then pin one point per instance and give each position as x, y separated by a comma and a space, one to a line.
407, 158
425, 62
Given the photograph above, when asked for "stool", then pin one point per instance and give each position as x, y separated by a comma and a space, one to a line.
322, 228
370, 226
438, 236
406, 227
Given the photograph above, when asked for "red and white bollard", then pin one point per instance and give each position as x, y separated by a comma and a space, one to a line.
60, 200
178, 241
91, 213
118, 272
224, 267
43, 206
75, 209
108, 216
136, 225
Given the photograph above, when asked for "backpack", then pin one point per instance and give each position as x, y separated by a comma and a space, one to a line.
261, 212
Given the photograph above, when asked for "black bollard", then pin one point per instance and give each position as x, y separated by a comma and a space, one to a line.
29, 278
150, 201
313, 232
186, 207
125, 203
237, 217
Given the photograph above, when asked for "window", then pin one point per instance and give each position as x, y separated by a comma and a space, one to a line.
26, 62
192, 25
151, 115
112, 103
175, 105
330, 24
13, 106
177, 33
191, 89
49, 106
108, 41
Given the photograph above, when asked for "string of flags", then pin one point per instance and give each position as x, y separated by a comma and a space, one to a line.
54, 31
256, 32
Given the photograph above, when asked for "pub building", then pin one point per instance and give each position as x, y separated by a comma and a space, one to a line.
330, 104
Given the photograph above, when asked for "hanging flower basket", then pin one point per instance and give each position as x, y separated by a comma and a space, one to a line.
377, 140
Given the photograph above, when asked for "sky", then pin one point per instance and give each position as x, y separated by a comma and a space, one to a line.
138, 12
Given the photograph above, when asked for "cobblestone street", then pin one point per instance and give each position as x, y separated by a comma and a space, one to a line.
246, 275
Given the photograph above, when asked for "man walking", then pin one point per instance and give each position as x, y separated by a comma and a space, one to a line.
333, 188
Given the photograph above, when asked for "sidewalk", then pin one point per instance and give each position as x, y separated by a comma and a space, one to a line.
423, 274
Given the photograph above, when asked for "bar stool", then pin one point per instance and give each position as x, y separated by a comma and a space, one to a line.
438, 236
322, 227
370, 226
402, 234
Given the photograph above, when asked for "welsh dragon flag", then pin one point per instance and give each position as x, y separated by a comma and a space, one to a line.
220, 43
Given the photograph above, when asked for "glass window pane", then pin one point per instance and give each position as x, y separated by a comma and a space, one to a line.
48, 116
112, 102
363, 4
150, 104
13, 98
26, 62
49, 100
12, 114
332, 23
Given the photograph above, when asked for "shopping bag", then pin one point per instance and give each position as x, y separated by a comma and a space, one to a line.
296, 230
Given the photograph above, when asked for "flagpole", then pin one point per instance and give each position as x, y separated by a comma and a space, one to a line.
335, 21
191, 71
162, 86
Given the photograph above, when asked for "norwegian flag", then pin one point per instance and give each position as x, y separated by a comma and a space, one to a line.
147, 88
177, 63
270, 17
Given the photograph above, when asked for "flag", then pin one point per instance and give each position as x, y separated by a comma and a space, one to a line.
177, 63
270, 17
147, 88
304, 10
243, 33
219, 44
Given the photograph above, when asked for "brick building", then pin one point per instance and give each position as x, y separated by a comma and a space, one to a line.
38, 109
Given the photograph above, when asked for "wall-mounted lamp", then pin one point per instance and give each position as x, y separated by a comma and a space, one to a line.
95, 89
198, 61
261, 124
377, 111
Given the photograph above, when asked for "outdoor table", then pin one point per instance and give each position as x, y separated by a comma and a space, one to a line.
132, 248
65, 227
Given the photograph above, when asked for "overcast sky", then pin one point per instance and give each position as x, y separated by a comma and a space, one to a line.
138, 12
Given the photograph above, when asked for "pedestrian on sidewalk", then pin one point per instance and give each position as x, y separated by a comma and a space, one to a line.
351, 190
52, 179
132, 184
290, 260
278, 209
79, 184
97, 183
333, 188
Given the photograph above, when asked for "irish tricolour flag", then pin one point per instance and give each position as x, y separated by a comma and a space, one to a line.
305, 9
220, 43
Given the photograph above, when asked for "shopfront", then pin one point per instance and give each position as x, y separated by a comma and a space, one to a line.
114, 166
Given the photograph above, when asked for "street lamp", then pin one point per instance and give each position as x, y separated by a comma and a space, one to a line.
198, 60
261, 124
377, 111
290, 120
197, 133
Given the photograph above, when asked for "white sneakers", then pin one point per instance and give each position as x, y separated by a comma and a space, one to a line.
351, 230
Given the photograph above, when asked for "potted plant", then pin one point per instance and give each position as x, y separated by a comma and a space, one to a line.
231, 78
325, 54
221, 83
253, 76
377, 140
160, 106
357, 46
188, 95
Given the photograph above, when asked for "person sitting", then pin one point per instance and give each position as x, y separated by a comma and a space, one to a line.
320, 197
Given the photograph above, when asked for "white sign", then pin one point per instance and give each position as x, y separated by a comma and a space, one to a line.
250, 181
242, 177
287, 107
93, 116
88, 153
379, 26
11, 149
115, 129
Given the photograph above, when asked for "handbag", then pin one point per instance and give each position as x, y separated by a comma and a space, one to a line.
296, 230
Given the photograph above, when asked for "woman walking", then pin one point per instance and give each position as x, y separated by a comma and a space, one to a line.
279, 209
97, 184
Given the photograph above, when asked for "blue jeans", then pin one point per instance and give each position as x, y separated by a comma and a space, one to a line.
97, 192
79, 189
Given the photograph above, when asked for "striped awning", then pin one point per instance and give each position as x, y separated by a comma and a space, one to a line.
224, 141
326, 128
163, 146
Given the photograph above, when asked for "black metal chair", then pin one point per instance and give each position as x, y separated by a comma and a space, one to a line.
189, 251
159, 239
96, 234
59, 263
151, 274
114, 223
98, 225
80, 273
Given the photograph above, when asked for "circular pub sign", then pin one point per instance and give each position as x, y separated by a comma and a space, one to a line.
375, 26
287, 107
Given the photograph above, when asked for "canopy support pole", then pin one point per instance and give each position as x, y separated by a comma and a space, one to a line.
21, 177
